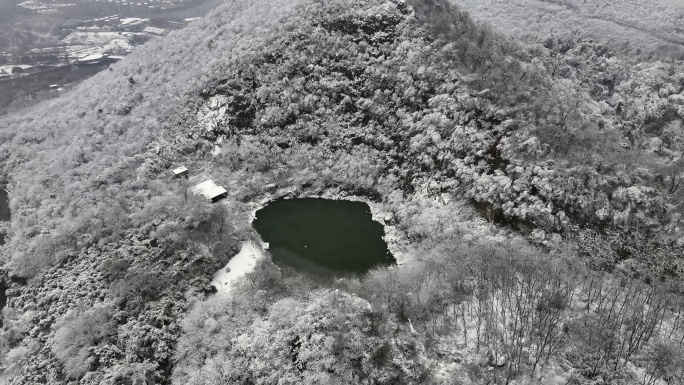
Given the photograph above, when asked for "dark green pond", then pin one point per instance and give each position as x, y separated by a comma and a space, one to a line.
4, 210
322, 236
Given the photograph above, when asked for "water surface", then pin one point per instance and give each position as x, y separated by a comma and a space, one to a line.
4, 210
322, 236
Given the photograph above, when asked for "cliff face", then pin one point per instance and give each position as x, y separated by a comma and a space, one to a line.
364, 97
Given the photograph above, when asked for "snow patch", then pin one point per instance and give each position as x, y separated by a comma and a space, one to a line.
213, 114
216, 151
241, 264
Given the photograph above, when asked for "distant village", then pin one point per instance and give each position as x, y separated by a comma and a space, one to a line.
91, 42
77, 47
109, 7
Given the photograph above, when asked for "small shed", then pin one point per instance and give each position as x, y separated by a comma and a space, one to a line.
155, 31
210, 190
180, 172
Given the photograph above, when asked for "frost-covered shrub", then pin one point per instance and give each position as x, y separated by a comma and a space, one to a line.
76, 333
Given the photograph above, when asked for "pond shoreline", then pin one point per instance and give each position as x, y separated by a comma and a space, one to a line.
250, 252
238, 266
5, 214
395, 239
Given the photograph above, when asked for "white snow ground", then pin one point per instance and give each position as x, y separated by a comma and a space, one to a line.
241, 264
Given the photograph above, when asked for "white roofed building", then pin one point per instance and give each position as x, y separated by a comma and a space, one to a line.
181, 171
155, 31
96, 58
132, 21
210, 190
190, 20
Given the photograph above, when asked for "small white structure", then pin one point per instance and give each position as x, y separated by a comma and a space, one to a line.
179, 172
95, 58
131, 21
190, 20
210, 190
155, 31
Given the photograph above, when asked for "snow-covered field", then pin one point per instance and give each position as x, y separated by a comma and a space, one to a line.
7, 69
93, 38
41, 7
119, 45
241, 264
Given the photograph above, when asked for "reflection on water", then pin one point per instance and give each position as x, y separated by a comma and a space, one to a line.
282, 255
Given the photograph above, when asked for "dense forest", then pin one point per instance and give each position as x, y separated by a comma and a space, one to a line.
537, 182
644, 26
